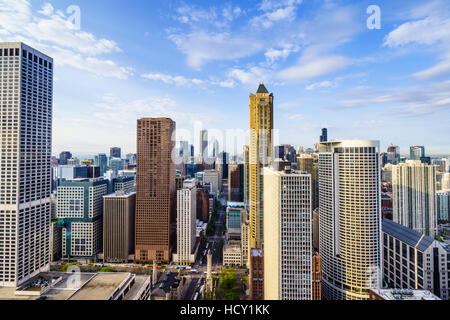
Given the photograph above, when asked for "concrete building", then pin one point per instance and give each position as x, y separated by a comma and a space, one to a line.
203, 205
236, 182
233, 215
401, 295
244, 237
213, 178
287, 235
55, 241
350, 218
257, 270
26, 98
64, 156
412, 260
118, 226
155, 190
414, 196
308, 163
126, 184
443, 208
315, 229
246, 175
79, 214
186, 223
316, 277
232, 254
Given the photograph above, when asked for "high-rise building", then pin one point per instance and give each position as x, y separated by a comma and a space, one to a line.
115, 152
316, 276
26, 101
416, 152
306, 163
64, 156
79, 213
244, 237
116, 164
118, 226
185, 152
443, 208
350, 218
324, 136
412, 260
287, 235
260, 155
246, 175
215, 152
393, 155
257, 272
213, 178
315, 229
131, 157
414, 196
203, 145
235, 182
186, 223
155, 189
122, 183
101, 160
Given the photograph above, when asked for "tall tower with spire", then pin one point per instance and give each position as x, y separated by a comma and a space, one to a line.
260, 156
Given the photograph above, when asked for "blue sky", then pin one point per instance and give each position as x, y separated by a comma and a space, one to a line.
197, 62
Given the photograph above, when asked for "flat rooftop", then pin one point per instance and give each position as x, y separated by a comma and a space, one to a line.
101, 287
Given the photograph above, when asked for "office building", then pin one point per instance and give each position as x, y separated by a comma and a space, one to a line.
287, 235
393, 155
246, 175
443, 209
260, 155
101, 160
350, 218
155, 189
315, 229
316, 276
416, 152
236, 182
118, 226
212, 177
307, 163
73, 162
116, 164
64, 156
233, 215
414, 196
25, 166
122, 183
79, 213
186, 223
412, 260
115, 152
324, 136
202, 205
203, 145
257, 271
244, 236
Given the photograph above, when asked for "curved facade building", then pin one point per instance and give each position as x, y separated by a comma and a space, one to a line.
350, 218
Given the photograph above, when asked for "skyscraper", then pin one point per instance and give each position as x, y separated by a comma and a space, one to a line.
393, 154
287, 235
155, 189
416, 152
203, 144
246, 175
115, 152
324, 136
101, 160
64, 156
26, 101
260, 155
350, 218
414, 196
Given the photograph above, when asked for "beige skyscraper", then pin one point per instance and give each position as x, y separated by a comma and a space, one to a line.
287, 235
246, 174
260, 156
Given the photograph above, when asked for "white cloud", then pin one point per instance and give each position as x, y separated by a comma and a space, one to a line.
47, 9
294, 116
309, 68
322, 84
188, 82
275, 11
438, 71
251, 76
202, 47
273, 55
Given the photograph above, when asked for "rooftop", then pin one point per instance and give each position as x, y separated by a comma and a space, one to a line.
405, 294
411, 237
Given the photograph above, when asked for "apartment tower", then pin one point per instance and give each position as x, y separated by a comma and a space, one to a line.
155, 189
350, 218
26, 100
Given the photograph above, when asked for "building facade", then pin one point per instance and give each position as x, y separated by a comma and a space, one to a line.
350, 218
118, 226
79, 214
412, 260
155, 189
316, 277
25, 166
257, 270
287, 235
414, 196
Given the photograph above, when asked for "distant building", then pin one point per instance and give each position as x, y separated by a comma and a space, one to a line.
412, 260
212, 177
116, 164
233, 215
316, 277
244, 237
126, 184
101, 160
416, 152
64, 156
246, 174
203, 145
236, 182
202, 205
324, 136
115, 152
79, 213
414, 196
393, 155
443, 208
118, 226
315, 229
232, 254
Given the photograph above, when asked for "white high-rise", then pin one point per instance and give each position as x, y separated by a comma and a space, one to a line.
350, 218
186, 223
287, 235
414, 196
26, 91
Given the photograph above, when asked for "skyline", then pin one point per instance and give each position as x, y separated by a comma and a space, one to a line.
195, 62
